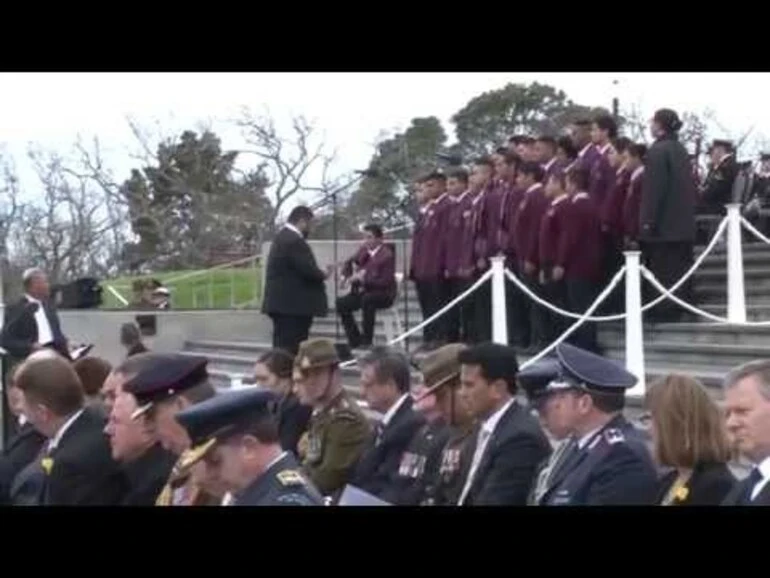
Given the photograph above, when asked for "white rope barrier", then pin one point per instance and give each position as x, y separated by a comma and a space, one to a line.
620, 316
692, 308
481, 280
753, 230
602, 296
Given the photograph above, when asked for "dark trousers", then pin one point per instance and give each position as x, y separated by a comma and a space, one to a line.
482, 313
538, 315
430, 295
458, 321
290, 330
613, 261
368, 304
668, 262
555, 292
580, 295
517, 306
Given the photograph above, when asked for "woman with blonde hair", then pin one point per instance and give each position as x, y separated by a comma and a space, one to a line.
689, 436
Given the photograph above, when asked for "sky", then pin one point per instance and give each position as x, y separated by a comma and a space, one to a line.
350, 110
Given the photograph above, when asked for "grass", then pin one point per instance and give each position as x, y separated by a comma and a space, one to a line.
197, 289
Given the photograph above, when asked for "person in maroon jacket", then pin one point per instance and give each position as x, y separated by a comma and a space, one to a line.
601, 177
526, 234
486, 217
580, 255
546, 149
580, 131
425, 267
457, 272
566, 151
634, 161
516, 301
552, 229
371, 273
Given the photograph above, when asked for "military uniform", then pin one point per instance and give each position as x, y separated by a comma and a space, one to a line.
162, 378
337, 431
247, 412
610, 465
717, 189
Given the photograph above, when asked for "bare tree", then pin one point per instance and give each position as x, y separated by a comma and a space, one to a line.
288, 163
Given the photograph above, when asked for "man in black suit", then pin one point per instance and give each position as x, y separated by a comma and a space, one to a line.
32, 323
500, 461
747, 408
133, 441
295, 289
385, 383
603, 459
80, 470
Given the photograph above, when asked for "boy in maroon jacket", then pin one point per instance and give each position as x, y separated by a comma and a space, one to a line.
553, 228
457, 268
486, 212
580, 255
526, 236
634, 159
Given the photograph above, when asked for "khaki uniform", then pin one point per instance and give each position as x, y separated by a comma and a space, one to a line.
181, 489
337, 432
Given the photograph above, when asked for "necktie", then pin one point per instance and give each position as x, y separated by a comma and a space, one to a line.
480, 446
378, 431
751, 481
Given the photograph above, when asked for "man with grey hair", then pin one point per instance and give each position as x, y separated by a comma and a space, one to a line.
386, 385
747, 411
32, 323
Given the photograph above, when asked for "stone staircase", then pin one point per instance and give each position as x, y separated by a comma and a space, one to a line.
700, 348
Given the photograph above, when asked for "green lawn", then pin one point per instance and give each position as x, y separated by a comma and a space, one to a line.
196, 289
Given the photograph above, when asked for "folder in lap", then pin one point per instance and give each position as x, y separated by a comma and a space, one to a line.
353, 496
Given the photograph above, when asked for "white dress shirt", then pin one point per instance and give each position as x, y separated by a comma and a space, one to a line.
393, 409
44, 332
295, 229
485, 433
764, 469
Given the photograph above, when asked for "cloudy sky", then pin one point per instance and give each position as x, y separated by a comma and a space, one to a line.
351, 109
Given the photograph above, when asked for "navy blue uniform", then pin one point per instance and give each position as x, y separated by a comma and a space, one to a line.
613, 468
281, 485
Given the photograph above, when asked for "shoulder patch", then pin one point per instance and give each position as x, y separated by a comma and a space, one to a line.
614, 436
290, 478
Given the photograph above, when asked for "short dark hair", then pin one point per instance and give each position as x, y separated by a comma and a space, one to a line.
496, 361
434, 176
578, 176
502, 151
92, 372
389, 364
301, 213
374, 229
582, 122
565, 143
279, 362
607, 123
460, 175
622, 143
534, 169
637, 150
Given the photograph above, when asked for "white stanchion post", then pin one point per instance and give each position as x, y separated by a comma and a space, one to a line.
634, 328
736, 294
499, 312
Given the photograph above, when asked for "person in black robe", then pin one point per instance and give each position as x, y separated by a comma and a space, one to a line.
667, 212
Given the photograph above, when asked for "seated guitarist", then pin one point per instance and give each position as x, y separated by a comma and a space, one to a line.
371, 273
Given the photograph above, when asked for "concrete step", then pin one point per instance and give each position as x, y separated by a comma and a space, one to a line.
757, 257
748, 246
694, 333
751, 274
754, 312
717, 293
719, 357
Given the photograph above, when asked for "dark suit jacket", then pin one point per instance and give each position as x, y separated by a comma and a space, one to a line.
762, 499
147, 475
377, 468
718, 188
294, 285
292, 422
20, 450
709, 484
20, 330
83, 471
510, 461
667, 211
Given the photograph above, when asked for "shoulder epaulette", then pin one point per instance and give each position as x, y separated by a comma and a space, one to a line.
290, 478
614, 436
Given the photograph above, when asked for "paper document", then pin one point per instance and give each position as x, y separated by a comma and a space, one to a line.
353, 496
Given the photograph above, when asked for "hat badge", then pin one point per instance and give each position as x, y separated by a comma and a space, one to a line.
305, 362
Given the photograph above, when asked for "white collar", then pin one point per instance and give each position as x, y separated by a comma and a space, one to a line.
533, 187
393, 409
549, 164
480, 196
275, 460
764, 468
558, 200
54, 442
637, 173
21, 420
620, 169
295, 229
32, 299
579, 196
461, 196
586, 438
374, 251
441, 197
605, 148
491, 422
584, 150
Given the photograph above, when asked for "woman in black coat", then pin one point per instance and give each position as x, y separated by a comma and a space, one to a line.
667, 212
689, 437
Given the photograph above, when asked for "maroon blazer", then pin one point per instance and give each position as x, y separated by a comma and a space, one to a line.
552, 167
552, 230
611, 213
581, 248
512, 197
426, 262
458, 238
379, 270
590, 154
632, 204
489, 230
601, 177
526, 227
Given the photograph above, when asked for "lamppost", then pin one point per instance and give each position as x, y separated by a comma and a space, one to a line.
615, 101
